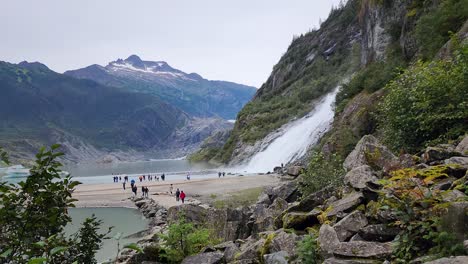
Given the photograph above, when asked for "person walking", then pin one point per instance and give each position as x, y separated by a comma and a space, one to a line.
143, 191
182, 196
177, 194
134, 190
163, 177
141, 178
171, 188
146, 191
224, 174
132, 183
123, 183
219, 174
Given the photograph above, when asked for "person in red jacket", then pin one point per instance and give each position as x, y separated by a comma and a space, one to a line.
182, 196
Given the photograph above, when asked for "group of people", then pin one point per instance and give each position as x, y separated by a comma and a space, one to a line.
221, 174
179, 194
150, 177
118, 177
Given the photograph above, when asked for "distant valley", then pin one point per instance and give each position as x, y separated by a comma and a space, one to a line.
130, 109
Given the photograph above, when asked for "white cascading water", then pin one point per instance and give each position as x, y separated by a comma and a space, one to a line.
296, 137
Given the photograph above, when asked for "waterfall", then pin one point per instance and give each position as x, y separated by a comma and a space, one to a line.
293, 139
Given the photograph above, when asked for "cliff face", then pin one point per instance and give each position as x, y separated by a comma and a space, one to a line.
354, 36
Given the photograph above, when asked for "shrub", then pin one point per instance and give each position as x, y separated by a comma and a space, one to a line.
433, 29
322, 172
184, 239
427, 102
308, 250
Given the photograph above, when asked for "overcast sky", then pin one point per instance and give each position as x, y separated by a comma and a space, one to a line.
233, 40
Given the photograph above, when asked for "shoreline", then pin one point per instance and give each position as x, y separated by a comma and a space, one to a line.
112, 194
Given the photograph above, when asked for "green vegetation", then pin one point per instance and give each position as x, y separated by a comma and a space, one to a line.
322, 172
433, 28
34, 213
184, 239
418, 210
427, 103
241, 198
308, 250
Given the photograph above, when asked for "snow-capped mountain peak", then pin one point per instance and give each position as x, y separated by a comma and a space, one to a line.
134, 64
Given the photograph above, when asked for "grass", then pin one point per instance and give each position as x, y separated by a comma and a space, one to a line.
241, 198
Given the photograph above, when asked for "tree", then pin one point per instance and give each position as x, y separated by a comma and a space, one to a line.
34, 212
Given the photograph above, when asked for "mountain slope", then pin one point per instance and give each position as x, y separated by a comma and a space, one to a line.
41, 107
189, 92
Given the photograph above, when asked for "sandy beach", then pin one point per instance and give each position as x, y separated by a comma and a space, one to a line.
113, 195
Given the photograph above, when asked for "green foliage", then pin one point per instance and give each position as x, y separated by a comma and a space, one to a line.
417, 211
433, 29
240, 198
34, 213
427, 102
89, 240
184, 239
3, 156
308, 250
322, 172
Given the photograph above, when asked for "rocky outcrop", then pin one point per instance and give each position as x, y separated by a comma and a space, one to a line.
452, 260
369, 151
462, 147
350, 225
359, 177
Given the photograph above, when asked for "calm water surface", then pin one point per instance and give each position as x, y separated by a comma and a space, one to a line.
124, 220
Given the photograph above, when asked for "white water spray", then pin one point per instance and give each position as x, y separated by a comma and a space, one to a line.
295, 137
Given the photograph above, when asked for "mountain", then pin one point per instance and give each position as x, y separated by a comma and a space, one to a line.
189, 92
361, 48
40, 107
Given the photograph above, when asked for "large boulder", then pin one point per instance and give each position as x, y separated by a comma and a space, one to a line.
300, 220
345, 205
438, 153
295, 170
280, 257
284, 242
462, 161
250, 251
350, 225
313, 200
379, 233
287, 191
462, 147
359, 177
451, 260
264, 216
369, 151
229, 248
205, 258
455, 221
330, 245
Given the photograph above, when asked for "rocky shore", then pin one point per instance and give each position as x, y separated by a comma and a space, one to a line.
351, 223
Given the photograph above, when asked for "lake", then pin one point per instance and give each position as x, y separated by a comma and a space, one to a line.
124, 220
174, 169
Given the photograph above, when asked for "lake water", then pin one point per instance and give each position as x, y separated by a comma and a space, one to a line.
124, 220
103, 173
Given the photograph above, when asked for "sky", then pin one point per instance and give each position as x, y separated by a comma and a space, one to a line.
232, 40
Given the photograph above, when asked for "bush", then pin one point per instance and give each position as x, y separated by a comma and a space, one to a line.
322, 172
427, 102
184, 239
308, 250
433, 29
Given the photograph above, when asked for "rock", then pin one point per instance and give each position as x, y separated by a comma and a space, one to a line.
349, 261
288, 191
452, 196
356, 237
284, 242
441, 152
313, 200
230, 250
264, 199
328, 239
378, 233
331, 245
278, 170
359, 176
300, 220
140, 203
451, 260
462, 161
250, 250
462, 147
205, 258
455, 221
362, 249
279, 257
350, 225
407, 160
295, 170
465, 244
369, 151
444, 184
346, 204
